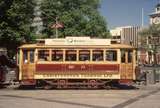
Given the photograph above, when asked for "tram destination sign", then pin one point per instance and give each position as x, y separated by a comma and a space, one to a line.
77, 41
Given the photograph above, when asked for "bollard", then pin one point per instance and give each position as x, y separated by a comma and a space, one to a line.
151, 77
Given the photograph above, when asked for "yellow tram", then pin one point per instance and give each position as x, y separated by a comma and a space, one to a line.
75, 62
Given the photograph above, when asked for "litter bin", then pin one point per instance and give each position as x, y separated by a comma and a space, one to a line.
151, 77
158, 74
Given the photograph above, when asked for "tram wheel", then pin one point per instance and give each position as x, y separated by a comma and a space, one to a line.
92, 84
62, 84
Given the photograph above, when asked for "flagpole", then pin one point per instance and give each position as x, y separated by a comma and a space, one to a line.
142, 17
56, 29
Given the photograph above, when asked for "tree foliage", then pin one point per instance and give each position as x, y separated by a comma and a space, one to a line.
150, 39
15, 23
79, 17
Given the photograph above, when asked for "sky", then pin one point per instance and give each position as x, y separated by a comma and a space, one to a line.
127, 12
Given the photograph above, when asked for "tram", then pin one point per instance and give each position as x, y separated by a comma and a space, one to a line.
82, 62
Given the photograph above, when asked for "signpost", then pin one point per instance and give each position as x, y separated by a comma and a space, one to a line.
56, 26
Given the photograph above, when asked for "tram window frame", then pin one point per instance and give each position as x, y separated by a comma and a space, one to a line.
112, 57
18, 57
130, 56
72, 56
25, 56
99, 56
31, 57
123, 56
84, 55
55, 56
44, 56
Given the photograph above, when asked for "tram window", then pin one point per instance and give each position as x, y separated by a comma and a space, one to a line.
84, 55
123, 56
25, 56
57, 55
97, 55
130, 53
31, 56
71, 55
111, 55
43, 55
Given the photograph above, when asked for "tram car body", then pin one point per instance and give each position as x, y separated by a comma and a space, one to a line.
75, 62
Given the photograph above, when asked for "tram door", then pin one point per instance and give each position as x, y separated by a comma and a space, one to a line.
126, 64
28, 65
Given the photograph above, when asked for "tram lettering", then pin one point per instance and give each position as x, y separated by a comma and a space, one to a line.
79, 76
71, 67
83, 67
108, 75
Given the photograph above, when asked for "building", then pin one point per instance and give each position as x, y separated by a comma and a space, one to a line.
155, 19
126, 35
155, 16
116, 34
145, 56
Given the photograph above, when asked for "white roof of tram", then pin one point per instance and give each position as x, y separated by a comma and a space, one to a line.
81, 42
75, 41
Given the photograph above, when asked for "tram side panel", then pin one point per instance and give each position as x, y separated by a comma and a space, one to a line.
77, 71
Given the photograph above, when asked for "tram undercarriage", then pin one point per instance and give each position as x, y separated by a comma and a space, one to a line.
74, 84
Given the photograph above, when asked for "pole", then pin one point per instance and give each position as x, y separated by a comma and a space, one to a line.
142, 17
56, 29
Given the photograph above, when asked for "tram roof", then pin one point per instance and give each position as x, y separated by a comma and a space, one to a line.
76, 46
75, 42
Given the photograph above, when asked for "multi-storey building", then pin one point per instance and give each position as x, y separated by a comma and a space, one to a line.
126, 35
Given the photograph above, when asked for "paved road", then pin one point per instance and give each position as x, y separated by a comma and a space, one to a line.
146, 96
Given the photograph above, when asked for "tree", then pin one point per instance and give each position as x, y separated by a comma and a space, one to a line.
79, 17
15, 23
150, 40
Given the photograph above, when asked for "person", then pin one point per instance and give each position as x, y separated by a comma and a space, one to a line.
59, 58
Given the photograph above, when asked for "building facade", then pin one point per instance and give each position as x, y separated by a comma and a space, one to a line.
148, 56
126, 35
155, 16
155, 19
